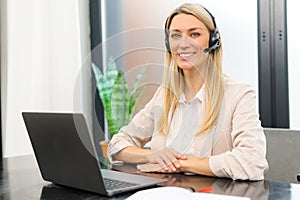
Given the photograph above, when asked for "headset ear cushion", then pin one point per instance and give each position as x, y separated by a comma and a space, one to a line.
214, 39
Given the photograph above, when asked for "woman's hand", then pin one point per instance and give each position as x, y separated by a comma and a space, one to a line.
150, 167
165, 159
192, 165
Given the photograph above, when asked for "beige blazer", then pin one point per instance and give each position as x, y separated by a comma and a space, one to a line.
236, 146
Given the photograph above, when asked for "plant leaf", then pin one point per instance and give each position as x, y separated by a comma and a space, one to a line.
119, 99
111, 73
99, 77
113, 91
133, 98
97, 72
132, 103
101, 85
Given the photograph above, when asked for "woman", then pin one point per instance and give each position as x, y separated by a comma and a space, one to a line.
199, 121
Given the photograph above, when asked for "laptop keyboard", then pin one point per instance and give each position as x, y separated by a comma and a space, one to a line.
112, 184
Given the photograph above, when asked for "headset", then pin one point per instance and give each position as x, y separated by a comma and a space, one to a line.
214, 36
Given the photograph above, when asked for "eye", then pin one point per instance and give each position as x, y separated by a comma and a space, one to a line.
195, 34
175, 36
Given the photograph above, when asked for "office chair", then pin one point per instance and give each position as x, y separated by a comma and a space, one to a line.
283, 155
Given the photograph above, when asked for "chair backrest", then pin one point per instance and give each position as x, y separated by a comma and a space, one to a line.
283, 154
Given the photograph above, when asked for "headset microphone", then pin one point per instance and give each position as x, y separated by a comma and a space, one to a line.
211, 48
208, 49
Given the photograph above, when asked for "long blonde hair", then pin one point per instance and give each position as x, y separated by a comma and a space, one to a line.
173, 79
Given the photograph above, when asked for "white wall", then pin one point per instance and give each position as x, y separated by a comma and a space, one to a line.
44, 51
293, 62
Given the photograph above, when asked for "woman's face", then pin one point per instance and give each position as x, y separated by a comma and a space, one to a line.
188, 37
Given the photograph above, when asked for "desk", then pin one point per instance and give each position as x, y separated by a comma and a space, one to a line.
20, 179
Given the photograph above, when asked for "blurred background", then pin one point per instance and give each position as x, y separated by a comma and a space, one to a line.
47, 47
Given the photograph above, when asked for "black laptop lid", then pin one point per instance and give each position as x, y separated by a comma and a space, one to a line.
63, 149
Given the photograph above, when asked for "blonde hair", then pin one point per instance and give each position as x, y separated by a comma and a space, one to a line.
173, 79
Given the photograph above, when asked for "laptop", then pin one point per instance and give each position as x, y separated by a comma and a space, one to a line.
65, 155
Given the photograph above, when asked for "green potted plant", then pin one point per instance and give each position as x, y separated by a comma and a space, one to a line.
118, 103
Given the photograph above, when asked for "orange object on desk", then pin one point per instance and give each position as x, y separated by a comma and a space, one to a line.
208, 189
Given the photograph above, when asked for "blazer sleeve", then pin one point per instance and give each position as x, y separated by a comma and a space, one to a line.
247, 159
139, 131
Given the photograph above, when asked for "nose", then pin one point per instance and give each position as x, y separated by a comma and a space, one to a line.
184, 43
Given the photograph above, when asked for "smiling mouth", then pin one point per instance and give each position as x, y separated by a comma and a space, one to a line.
185, 55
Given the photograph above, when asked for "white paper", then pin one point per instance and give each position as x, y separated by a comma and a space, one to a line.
178, 193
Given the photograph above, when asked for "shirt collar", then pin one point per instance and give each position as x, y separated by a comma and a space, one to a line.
199, 95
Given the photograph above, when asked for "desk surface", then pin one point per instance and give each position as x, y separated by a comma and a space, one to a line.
20, 179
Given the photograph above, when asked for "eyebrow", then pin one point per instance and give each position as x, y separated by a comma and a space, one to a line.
189, 30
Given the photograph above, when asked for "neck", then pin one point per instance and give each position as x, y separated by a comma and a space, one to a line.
193, 83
